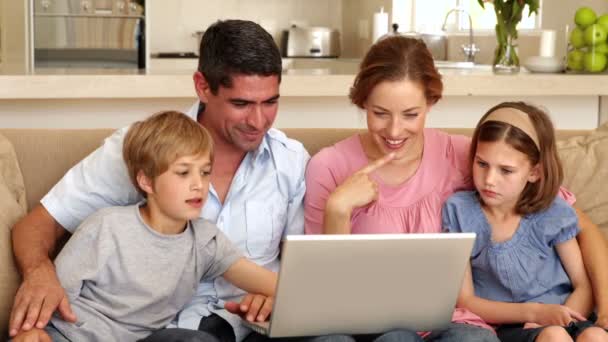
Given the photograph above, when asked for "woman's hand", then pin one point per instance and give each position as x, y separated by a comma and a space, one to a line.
357, 190
554, 314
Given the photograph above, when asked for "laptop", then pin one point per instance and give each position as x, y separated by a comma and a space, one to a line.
363, 284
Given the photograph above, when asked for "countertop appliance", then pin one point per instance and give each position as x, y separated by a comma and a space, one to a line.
89, 34
310, 42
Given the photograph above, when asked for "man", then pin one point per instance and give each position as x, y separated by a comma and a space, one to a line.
257, 186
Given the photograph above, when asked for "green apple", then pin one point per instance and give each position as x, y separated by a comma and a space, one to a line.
584, 17
575, 60
577, 38
601, 48
595, 62
603, 20
595, 34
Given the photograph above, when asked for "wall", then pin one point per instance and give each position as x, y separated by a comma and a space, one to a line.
557, 17
357, 24
552, 18
173, 23
14, 51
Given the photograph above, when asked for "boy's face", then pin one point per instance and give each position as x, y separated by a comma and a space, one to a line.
179, 193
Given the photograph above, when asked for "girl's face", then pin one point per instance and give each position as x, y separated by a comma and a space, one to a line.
396, 113
500, 174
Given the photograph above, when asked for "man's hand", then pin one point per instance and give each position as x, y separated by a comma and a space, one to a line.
33, 335
253, 307
38, 297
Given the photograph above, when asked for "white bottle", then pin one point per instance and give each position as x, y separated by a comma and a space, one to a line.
380, 25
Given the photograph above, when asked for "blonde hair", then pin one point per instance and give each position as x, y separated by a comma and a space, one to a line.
153, 144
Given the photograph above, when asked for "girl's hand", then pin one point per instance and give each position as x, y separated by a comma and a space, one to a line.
357, 190
602, 321
554, 314
531, 325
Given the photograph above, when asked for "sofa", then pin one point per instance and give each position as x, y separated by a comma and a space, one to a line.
32, 160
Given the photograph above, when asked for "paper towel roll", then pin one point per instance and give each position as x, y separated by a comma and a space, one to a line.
547, 43
380, 24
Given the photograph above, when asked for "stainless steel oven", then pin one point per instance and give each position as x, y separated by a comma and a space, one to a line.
89, 33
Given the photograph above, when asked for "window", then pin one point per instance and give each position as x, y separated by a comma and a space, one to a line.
428, 15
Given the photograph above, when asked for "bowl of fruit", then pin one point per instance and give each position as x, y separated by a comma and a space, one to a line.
587, 43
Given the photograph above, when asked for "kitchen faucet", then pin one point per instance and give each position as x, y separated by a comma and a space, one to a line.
469, 50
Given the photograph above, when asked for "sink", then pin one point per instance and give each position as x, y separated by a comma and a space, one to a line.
461, 65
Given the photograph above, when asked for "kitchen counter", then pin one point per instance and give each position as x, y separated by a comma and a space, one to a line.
297, 82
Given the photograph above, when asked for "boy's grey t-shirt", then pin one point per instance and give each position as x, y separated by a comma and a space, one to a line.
125, 280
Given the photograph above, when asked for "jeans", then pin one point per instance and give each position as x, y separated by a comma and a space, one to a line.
391, 336
180, 335
457, 332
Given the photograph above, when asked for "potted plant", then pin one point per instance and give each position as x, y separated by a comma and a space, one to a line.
508, 15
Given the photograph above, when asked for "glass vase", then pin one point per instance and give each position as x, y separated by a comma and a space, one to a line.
506, 60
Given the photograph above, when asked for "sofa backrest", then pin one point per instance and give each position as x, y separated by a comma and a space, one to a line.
45, 155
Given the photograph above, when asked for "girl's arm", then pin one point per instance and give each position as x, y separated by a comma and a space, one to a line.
505, 313
492, 311
595, 256
581, 299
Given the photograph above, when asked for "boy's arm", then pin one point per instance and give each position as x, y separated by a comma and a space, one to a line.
595, 256
505, 313
34, 240
581, 299
251, 277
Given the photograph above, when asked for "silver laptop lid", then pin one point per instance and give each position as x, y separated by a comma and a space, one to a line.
356, 284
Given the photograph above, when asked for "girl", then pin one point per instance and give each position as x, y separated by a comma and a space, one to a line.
526, 271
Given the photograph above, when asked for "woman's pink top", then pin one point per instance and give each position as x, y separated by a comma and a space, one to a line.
412, 207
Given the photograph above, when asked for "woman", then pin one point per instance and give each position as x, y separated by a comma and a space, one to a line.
395, 177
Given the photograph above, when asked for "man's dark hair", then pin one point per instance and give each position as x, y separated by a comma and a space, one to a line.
234, 47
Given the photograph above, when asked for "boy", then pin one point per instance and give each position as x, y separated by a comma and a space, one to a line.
128, 270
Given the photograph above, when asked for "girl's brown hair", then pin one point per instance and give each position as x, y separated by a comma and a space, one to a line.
539, 195
393, 59
153, 144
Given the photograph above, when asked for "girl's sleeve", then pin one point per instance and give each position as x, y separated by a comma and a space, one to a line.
558, 224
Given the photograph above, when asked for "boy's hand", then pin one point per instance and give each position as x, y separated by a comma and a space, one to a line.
253, 307
33, 335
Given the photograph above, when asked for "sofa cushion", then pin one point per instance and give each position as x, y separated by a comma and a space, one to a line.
585, 163
12, 207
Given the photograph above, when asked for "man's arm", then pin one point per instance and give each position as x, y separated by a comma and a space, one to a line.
595, 255
34, 240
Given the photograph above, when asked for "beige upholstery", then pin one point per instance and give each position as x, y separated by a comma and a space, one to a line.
45, 155
12, 207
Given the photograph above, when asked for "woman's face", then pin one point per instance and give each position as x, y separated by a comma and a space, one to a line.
396, 113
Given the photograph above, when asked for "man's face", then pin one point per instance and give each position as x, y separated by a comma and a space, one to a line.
239, 116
